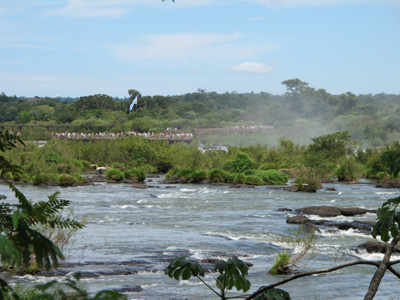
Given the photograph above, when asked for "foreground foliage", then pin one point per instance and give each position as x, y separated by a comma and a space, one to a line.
22, 244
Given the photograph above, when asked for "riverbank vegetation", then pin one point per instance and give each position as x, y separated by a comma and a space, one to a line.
328, 157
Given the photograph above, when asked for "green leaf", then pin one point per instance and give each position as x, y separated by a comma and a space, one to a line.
15, 219
184, 268
187, 273
394, 231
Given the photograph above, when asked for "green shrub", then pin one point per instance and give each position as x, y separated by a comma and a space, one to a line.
135, 174
249, 172
117, 165
198, 176
64, 168
66, 180
149, 169
82, 165
171, 173
282, 264
114, 174
238, 178
349, 170
185, 173
273, 165
219, 176
253, 180
39, 179
53, 157
308, 183
383, 176
241, 163
273, 176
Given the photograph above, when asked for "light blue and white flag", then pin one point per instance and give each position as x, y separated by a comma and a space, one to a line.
133, 103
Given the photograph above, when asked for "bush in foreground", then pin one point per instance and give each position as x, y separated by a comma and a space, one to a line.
114, 174
135, 174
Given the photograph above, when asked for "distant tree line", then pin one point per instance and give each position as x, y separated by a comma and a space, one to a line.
374, 119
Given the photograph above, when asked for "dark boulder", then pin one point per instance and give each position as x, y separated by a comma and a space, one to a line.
98, 178
363, 226
139, 186
284, 209
303, 220
241, 186
376, 247
389, 184
297, 220
290, 188
331, 211
322, 211
129, 289
173, 180
352, 211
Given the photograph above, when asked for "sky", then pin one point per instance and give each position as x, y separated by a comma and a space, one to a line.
73, 48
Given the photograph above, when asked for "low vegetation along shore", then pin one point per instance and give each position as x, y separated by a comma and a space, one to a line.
327, 158
62, 162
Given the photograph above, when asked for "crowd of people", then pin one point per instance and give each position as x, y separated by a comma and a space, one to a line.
256, 127
168, 134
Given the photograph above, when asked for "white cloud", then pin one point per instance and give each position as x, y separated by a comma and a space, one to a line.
183, 46
253, 67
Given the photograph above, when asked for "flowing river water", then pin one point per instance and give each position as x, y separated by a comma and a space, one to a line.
131, 235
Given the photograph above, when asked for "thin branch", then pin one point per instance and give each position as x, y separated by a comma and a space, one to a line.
208, 286
321, 271
394, 262
397, 274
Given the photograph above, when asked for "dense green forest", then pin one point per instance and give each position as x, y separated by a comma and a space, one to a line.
300, 114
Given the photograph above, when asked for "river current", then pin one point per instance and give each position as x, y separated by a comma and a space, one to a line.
131, 234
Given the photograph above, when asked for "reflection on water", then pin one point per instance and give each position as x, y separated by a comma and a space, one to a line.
138, 231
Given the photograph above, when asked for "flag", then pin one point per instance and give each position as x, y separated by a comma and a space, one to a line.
133, 103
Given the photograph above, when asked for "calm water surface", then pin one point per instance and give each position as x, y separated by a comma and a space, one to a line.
140, 230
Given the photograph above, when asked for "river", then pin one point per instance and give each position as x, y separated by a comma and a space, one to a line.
131, 234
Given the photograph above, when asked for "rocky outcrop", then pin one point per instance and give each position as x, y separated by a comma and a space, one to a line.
241, 186
322, 211
303, 220
376, 247
173, 180
331, 189
98, 178
101, 170
139, 186
363, 226
332, 211
389, 184
284, 209
129, 289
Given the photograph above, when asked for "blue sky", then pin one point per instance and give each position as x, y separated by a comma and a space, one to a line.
85, 47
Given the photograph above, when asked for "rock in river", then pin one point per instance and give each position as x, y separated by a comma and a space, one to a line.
331, 211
